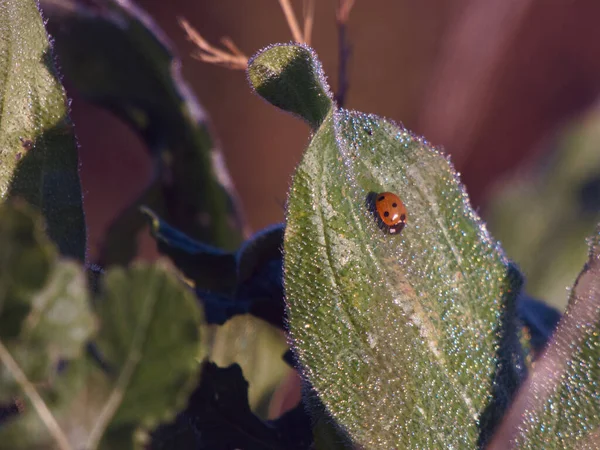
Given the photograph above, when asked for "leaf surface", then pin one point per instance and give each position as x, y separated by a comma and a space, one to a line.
39, 160
45, 315
151, 341
559, 405
118, 58
409, 340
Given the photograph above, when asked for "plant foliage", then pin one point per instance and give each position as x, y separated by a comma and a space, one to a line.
409, 340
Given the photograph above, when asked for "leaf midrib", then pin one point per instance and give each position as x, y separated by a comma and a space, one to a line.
380, 269
133, 358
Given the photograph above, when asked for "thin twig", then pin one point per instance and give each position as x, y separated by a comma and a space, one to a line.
36, 400
234, 59
290, 17
343, 11
234, 49
309, 19
342, 15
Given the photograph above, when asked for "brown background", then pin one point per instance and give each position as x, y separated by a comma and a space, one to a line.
488, 80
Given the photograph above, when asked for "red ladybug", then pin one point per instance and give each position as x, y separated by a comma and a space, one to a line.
390, 212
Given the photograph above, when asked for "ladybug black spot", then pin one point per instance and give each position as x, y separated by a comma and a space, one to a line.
381, 198
386, 214
394, 205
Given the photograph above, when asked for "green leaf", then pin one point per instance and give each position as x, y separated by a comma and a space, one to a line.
558, 406
409, 340
45, 322
291, 77
118, 58
151, 341
255, 275
73, 398
39, 155
257, 347
44, 312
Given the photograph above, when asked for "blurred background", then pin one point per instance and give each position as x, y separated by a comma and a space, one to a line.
508, 88
500, 85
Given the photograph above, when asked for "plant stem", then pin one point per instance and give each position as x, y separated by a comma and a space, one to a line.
35, 399
291, 20
344, 56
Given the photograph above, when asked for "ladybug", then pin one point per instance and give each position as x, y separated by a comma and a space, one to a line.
389, 211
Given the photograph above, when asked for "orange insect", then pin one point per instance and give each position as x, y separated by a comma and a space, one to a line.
389, 211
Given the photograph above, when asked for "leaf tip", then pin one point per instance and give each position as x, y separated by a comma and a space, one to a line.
290, 77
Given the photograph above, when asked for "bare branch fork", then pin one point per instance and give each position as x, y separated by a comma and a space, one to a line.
231, 56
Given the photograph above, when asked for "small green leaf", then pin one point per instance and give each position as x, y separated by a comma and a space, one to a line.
409, 340
118, 58
25, 264
150, 339
291, 78
559, 404
74, 397
45, 322
39, 155
257, 347
44, 312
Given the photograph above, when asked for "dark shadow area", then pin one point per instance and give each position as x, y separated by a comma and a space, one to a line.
539, 318
47, 177
510, 364
218, 417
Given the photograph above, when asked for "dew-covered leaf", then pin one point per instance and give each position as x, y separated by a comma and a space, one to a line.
558, 406
291, 78
409, 340
117, 57
39, 160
